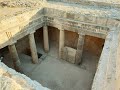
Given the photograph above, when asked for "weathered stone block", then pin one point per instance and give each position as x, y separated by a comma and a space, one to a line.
70, 15
102, 21
68, 54
78, 56
113, 22
79, 17
90, 19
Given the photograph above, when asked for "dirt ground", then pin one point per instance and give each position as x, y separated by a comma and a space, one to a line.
58, 74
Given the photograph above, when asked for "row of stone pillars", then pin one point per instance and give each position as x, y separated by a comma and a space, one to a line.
14, 54
80, 45
15, 57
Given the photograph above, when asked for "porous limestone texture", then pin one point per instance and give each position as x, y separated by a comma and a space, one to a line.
107, 74
12, 80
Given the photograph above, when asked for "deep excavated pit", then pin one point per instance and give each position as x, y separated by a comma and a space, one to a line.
55, 73
69, 35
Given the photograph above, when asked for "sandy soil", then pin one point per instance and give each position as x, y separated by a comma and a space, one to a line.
9, 8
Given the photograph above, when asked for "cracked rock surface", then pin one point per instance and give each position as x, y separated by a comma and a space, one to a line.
12, 80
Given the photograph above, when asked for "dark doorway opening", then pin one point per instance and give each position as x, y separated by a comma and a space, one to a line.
28, 52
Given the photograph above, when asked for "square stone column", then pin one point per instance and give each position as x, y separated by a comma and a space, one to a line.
15, 57
45, 38
61, 42
79, 51
33, 48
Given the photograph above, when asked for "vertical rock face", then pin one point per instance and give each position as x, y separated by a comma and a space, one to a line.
11, 80
94, 45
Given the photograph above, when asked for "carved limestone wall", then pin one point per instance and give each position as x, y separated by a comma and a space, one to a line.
107, 74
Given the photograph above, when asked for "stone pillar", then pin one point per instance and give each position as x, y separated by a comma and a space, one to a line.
45, 38
79, 51
61, 42
15, 57
33, 48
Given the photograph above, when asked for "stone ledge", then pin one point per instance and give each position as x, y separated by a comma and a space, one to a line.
95, 3
18, 35
79, 25
10, 79
81, 18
